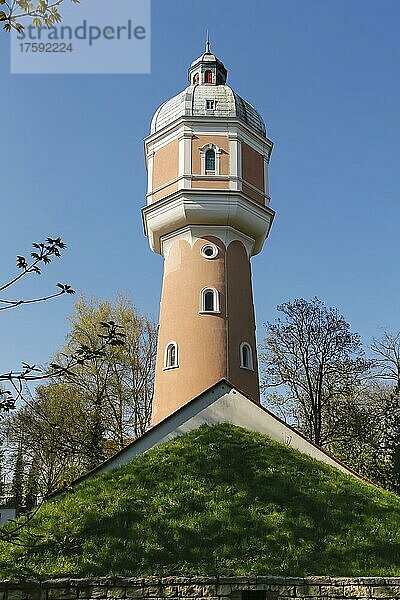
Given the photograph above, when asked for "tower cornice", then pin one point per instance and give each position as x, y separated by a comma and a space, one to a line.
204, 179
197, 207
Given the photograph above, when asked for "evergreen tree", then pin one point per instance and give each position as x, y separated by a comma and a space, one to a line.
18, 477
32, 485
1, 477
95, 452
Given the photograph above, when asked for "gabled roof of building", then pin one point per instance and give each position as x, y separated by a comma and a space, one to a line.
221, 403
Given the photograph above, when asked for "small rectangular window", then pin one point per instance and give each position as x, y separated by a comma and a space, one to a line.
210, 104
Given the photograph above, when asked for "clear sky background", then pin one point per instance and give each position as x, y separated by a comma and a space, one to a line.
325, 76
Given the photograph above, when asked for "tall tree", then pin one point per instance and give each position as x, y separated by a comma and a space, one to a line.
54, 424
2, 475
118, 383
97, 405
387, 350
14, 383
360, 438
316, 360
17, 487
32, 485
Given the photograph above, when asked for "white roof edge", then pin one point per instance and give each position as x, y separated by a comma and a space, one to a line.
221, 403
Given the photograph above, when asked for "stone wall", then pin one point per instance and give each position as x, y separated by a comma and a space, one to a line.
204, 588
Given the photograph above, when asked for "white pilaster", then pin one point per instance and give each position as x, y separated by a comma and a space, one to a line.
266, 181
150, 163
185, 159
234, 181
239, 159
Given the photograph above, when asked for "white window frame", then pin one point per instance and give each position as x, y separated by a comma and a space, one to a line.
176, 364
203, 151
214, 104
212, 247
215, 292
250, 354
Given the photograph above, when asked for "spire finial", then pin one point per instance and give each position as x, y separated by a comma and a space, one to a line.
208, 51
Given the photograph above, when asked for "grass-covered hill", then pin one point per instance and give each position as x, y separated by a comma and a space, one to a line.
217, 500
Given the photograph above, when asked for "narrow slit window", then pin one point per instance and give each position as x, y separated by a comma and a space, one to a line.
209, 300
171, 356
246, 356
210, 160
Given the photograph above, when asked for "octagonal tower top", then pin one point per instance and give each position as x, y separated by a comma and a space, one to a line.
207, 69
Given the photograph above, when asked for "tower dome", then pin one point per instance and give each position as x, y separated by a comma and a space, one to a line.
193, 102
207, 96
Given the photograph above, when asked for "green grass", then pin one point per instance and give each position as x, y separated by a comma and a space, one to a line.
217, 500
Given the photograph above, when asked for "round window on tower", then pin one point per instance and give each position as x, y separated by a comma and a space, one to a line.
209, 251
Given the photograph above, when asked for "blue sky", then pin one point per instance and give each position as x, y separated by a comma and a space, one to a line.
325, 76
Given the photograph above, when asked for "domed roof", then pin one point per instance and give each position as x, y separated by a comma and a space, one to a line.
192, 102
207, 76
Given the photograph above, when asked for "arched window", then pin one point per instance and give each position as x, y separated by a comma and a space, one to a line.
246, 356
208, 77
195, 79
209, 301
171, 355
210, 160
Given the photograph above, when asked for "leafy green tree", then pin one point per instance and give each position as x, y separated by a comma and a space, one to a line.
313, 358
54, 425
367, 433
94, 448
16, 381
97, 405
387, 351
360, 433
118, 383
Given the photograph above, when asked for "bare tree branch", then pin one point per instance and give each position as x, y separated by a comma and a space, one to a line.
316, 359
